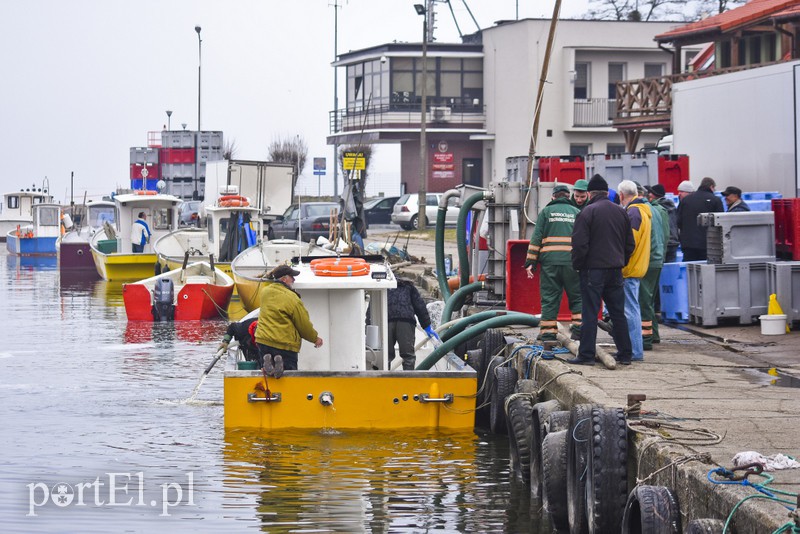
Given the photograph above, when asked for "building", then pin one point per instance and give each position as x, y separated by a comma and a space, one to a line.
481, 95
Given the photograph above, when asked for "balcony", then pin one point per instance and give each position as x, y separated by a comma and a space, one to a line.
452, 114
594, 112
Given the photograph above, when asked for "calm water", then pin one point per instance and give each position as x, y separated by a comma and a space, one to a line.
91, 402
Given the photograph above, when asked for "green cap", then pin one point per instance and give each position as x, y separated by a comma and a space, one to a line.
580, 185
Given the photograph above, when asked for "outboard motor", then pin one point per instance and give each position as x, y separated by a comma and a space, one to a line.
163, 300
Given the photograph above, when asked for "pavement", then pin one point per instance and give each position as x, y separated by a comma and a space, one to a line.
729, 380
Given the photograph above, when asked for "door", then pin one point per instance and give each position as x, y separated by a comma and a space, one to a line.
285, 228
472, 171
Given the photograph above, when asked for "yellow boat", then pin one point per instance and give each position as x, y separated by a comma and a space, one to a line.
110, 245
229, 230
348, 382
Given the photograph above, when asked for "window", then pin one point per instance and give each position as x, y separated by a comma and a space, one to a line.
615, 148
581, 80
616, 73
432, 200
48, 216
755, 49
162, 219
652, 70
579, 150
13, 202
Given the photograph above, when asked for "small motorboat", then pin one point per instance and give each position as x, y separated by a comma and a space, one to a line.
17, 208
74, 252
348, 383
193, 292
39, 237
251, 268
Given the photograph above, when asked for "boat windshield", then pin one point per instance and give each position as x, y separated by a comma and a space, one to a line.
100, 214
162, 219
48, 216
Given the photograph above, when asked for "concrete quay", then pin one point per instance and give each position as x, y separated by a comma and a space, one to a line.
711, 378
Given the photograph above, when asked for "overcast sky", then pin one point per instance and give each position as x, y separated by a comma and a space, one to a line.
85, 80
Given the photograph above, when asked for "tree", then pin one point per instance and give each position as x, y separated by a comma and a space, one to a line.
291, 149
646, 10
229, 150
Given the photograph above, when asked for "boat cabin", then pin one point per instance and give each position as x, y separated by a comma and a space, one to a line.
161, 212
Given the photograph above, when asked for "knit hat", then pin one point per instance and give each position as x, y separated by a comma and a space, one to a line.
597, 183
656, 190
560, 188
282, 270
686, 187
580, 185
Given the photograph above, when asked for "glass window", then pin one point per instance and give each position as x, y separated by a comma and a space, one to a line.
451, 64
581, 80
402, 63
579, 150
48, 217
473, 64
13, 202
450, 84
402, 82
652, 70
290, 213
432, 200
100, 214
162, 219
616, 73
615, 148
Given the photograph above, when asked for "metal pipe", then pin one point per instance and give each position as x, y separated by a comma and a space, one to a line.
461, 234
441, 275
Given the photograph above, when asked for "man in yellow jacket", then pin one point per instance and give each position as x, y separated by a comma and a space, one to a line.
283, 323
641, 217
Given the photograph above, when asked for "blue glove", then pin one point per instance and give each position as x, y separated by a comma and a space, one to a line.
432, 333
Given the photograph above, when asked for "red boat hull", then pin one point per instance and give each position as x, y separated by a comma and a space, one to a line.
194, 302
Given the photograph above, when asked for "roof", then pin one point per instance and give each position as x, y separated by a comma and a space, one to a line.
751, 13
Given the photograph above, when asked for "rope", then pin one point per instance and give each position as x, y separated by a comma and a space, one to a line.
222, 313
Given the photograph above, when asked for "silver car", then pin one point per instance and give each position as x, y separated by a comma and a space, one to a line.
406, 211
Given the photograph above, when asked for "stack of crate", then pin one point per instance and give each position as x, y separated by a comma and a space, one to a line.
733, 284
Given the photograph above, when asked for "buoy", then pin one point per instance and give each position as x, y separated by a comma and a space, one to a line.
233, 201
340, 267
145, 192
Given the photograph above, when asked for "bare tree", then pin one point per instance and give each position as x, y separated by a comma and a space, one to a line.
646, 10
290, 149
229, 150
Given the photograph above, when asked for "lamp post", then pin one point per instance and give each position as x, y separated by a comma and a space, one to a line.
169, 118
423, 143
195, 195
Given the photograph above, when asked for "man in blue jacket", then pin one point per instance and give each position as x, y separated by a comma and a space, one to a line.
140, 233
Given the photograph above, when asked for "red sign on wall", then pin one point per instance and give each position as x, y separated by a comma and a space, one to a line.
443, 157
443, 167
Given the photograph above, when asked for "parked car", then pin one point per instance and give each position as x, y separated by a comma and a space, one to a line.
379, 210
406, 211
306, 221
190, 213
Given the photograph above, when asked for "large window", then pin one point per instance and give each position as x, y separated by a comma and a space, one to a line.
582, 72
616, 73
367, 85
579, 150
453, 82
652, 70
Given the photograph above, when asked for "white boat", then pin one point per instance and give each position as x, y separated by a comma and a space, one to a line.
250, 268
347, 382
232, 226
74, 252
111, 246
37, 238
17, 208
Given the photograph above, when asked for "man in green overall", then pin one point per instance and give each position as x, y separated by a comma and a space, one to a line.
551, 247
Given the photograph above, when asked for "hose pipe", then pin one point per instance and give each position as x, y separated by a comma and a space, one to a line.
518, 319
457, 299
441, 275
461, 234
459, 325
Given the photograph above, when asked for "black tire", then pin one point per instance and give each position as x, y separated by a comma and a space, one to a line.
705, 526
490, 343
541, 411
607, 471
577, 457
557, 422
503, 379
474, 359
519, 422
493, 341
652, 510
415, 222
554, 478
527, 386
405, 226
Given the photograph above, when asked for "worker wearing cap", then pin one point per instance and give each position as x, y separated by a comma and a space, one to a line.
579, 194
648, 287
733, 199
283, 323
551, 247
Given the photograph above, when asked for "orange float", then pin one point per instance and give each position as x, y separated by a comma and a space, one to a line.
340, 267
146, 192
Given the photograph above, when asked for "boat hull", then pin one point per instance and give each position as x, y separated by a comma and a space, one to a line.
76, 257
31, 246
195, 302
124, 267
370, 399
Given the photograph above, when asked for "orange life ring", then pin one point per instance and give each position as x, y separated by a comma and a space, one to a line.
340, 267
238, 198
234, 203
145, 192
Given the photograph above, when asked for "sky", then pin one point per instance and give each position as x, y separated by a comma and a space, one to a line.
85, 80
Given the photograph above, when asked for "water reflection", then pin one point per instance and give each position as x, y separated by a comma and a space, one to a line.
31, 263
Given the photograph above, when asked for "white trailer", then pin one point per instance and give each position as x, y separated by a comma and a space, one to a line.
741, 128
268, 185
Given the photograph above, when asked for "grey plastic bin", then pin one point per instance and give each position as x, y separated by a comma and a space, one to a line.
736, 291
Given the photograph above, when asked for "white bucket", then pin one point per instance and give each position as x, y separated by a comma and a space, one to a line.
373, 337
773, 325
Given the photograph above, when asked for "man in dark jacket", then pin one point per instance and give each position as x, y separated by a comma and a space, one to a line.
404, 303
602, 244
692, 235
733, 198
657, 196
243, 332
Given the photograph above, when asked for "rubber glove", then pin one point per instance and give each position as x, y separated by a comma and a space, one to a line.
432, 333
224, 345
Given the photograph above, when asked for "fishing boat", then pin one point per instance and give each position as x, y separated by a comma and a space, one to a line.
17, 208
37, 238
193, 292
251, 268
347, 383
232, 226
74, 252
111, 246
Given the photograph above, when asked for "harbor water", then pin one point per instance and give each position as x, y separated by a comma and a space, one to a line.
100, 435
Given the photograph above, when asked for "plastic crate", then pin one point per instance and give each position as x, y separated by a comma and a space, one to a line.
741, 237
783, 279
522, 293
737, 291
787, 227
564, 169
674, 287
760, 195
758, 205
672, 170
107, 246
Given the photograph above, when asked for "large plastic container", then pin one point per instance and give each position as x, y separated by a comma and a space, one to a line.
737, 291
674, 287
672, 170
564, 169
741, 237
787, 227
107, 246
783, 279
522, 293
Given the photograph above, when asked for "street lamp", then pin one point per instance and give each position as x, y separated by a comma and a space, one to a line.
196, 196
423, 143
169, 118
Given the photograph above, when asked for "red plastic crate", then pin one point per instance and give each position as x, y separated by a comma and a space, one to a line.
787, 227
153, 171
672, 170
177, 155
522, 293
565, 169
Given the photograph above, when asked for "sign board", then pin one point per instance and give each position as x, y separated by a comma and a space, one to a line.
443, 174
443, 157
320, 164
443, 167
354, 161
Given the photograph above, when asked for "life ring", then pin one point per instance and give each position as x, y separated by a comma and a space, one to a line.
233, 201
145, 192
340, 267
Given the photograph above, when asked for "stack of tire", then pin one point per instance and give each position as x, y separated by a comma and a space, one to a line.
495, 381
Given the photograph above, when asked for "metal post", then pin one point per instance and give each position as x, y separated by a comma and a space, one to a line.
423, 142
196, 195
336, 100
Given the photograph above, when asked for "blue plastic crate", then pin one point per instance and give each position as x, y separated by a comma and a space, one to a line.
759, 205
674, 286
760, 195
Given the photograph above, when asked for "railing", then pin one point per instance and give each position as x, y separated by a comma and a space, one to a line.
404, 115
594, 112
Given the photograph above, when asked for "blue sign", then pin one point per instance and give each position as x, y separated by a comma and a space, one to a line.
319, 173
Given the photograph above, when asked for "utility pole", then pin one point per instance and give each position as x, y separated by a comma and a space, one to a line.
422, 198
